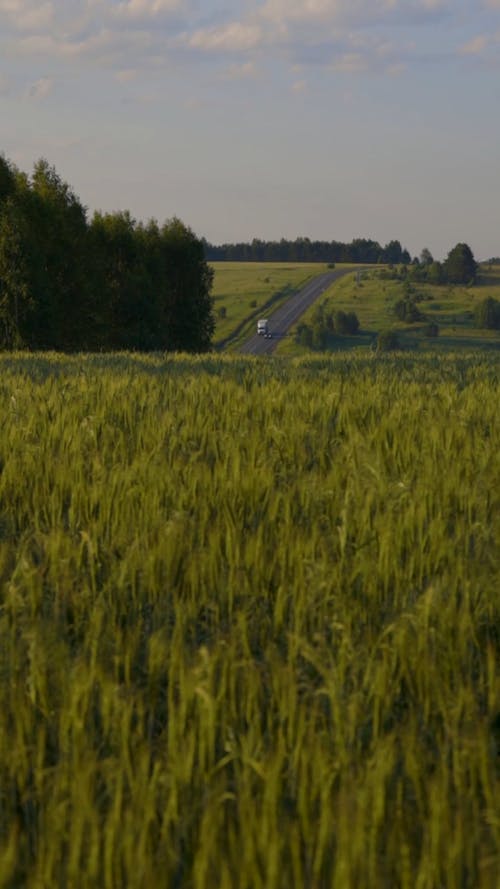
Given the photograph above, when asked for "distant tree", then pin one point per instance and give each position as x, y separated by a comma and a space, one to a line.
487, 314
426, 257
435, 273
460, 266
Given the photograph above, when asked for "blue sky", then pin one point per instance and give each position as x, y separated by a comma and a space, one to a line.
331, 119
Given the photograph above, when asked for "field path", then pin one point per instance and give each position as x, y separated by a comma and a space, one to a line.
282, 319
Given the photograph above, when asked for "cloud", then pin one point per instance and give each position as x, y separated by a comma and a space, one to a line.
145, 9
26, 15
40, 89
243, 71
125, 36
350, 12
232, 37
476, 46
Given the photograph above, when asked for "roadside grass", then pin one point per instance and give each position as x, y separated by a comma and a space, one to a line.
238, 285
249, 613
372, 298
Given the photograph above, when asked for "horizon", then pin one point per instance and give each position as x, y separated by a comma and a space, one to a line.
325, 119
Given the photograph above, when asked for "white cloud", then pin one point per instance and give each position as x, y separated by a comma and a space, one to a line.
343, 12
233, 37
41, 88
145, 9
476, 46
242, 72
26, 15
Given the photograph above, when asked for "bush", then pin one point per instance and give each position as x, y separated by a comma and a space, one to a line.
388, 341
431, 329
304, 335
345, 323
407, 311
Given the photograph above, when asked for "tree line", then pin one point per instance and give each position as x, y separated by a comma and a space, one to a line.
362, 250
68, 283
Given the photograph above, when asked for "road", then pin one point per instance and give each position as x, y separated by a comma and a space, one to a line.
287, 315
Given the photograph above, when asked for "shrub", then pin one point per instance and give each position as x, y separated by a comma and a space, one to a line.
388, 341
431, 329
406, 310
346, 322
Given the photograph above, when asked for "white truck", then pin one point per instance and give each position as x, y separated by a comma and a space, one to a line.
263, 327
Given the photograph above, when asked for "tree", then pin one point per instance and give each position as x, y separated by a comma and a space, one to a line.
59, 282
487, 314
186, 305
460, 266
426, 256
7, 180
15, 301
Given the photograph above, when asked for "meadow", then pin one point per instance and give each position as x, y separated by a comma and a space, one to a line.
250, 622
372, 296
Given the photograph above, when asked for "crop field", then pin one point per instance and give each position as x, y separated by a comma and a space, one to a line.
242, 289
250, 622
372, 298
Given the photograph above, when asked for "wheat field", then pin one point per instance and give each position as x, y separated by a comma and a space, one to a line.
250, 622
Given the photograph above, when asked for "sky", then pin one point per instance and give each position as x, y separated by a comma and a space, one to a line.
328, 119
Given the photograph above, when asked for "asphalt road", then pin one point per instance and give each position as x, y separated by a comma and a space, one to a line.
287, 315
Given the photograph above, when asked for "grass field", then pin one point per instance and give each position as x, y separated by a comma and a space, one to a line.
372, 298
250, 621
243, 289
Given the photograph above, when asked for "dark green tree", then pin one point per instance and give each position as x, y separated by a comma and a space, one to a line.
460, 266
487, 314
16, 302
185, 301
59, 282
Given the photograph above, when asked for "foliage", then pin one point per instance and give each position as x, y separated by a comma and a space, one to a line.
407, 310
388, 341
460, 266
345, 323
249, 620
360, 250
487, 314
431, 329
111, 284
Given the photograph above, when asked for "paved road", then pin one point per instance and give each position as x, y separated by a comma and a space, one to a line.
287, 315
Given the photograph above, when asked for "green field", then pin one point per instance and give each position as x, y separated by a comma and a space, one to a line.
243, 289
372, 298
250, 621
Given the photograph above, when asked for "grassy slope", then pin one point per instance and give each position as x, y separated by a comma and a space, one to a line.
238, 284
250, 617
452, 307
